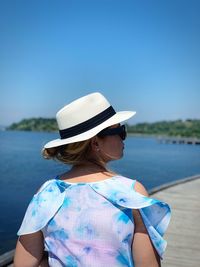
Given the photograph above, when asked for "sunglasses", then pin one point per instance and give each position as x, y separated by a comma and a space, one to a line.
121, 131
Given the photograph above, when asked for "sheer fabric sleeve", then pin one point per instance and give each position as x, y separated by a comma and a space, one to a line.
42, 207
155, 213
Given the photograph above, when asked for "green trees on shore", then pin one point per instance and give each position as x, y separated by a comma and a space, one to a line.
178, 128
35, 124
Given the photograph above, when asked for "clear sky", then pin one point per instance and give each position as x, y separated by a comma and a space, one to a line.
142, 55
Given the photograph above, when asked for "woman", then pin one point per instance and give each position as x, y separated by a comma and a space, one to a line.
91, 216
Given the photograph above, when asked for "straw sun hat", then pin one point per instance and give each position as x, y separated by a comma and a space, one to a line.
84, 118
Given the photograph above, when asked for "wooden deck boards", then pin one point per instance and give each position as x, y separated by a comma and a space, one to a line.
183, 234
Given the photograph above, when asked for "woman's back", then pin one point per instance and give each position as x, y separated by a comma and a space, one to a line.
92, 223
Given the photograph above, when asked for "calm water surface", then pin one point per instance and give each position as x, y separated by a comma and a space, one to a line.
23, 170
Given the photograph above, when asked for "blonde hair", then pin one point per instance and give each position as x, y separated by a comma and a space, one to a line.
74, 154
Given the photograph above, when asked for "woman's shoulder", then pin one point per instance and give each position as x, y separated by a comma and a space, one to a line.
51, 186
134, 183
46, 185
126, 180
139, 187
42, 207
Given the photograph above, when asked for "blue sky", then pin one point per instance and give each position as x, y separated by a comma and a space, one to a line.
142, 55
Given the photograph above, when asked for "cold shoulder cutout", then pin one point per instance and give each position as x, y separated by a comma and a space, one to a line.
155, 213
93, 222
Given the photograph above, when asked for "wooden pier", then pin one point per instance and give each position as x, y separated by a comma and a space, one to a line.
179, 140
183, 234
7, 258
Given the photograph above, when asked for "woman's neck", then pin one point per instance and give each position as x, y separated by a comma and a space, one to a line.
90, 167
87, 173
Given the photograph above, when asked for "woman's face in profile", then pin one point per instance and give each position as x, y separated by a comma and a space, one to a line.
111, 146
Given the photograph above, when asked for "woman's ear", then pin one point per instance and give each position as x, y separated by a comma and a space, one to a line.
95, 144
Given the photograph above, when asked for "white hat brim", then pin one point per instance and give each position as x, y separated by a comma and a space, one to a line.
117, 118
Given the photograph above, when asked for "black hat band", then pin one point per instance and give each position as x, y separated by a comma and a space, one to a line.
88, 124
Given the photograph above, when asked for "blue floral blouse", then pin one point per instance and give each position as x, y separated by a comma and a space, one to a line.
91, 224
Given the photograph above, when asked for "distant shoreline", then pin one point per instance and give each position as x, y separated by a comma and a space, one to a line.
160, 138
176, 129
